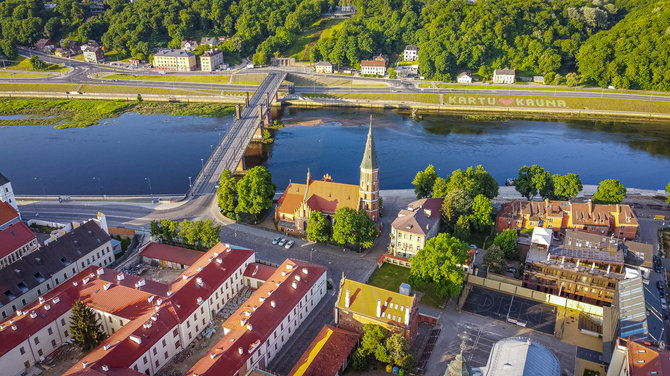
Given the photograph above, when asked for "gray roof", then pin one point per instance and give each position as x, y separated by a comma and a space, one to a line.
3, 179
631, 305
505, 71
34, 268
324, 64
173, 53
419, 217
411, 47
370, 156
518, 356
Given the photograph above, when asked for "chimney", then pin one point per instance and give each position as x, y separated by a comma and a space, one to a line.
407, 316
379, 307
593, 266
562, 260
577, 267
103, 222
590, 203
347, 300
608, 269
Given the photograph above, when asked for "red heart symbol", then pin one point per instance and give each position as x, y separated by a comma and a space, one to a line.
506, 101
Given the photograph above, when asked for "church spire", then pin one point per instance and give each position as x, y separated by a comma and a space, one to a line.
370, 156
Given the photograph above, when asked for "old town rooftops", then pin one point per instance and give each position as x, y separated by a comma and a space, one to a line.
29, 272
327, 352
171, 253
14, 237
367, 300
259, 271
322, 195
419, 217
7, 213
253, 323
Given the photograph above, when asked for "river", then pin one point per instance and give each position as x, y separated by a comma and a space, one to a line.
141, 154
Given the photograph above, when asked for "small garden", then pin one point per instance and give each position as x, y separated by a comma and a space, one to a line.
381, 349
389, 277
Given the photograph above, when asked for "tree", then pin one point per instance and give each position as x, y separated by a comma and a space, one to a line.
37, 64
343, 229
255, 191
86, 330
358, 360
9, 48
440, 188
392, 73
319, 228
168, 230
462, 228
155, 228
494, 258
667, 189
534, 180
566, 186
374, 342
398, 351
365, 230
571, 79
139, 98
226, 193
424, 181
481, 212
610, 191
507, 242
440, 263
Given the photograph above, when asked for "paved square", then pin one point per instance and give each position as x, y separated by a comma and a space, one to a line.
508, 308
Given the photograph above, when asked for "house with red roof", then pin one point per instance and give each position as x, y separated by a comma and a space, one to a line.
328, 354
6, 192
16, 241
299, 201
256, 332
8, 215
169, 256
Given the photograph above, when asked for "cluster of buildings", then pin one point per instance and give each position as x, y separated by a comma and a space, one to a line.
91, 50
184, 60
299, 201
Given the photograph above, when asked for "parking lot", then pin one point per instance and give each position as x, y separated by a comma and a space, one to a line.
508, 308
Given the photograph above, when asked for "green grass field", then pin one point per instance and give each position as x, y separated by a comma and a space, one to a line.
420, 98
37, 87
23, 75
300, 80
322, 28
23, 64
142, 90
390, 277
208, 78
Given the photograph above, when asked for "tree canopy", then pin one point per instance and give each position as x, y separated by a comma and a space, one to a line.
440, 262
319, 228
353, 228
494, 259
507, 242
667, 190
566, 186
227, 193
255, 191
534, 180
424, 181
609, 191
86, 330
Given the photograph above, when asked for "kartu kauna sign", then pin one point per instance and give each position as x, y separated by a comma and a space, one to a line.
508, 102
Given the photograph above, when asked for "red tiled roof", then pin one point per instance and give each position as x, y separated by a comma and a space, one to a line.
643, 360
7, 213
327, 353
373, 63
14, 237
225, 358
259, 271
171, 253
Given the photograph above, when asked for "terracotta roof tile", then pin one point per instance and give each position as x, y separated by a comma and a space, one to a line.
14, 237
259, 271
7, 213
327, 353
171, 253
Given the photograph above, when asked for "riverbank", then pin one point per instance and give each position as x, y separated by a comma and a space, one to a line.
81, 113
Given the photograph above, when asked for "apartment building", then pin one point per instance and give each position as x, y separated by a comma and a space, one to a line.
414, 225
211, 60
504, 76
377, 66
411, 53
174, 61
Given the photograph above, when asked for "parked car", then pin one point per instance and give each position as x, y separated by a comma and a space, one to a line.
511, 270
289, 244
658, 269
276, 240
664, 304
282, 242
660, 285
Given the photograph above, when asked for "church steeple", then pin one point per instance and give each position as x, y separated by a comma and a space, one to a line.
368, 191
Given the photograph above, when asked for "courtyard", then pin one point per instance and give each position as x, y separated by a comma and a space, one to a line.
390, 277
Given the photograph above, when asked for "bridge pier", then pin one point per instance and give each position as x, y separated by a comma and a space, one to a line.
246, 100
237, 111
267, 100
241, 167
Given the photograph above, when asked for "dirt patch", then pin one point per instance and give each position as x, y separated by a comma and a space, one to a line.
61, 360
159, 274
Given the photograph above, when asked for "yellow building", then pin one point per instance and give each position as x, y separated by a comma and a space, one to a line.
414, 225
359, 304
174, 60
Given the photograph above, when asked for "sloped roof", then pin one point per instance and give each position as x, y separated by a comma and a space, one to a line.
327, 352
363, 300
370, 155
171, 253
518, 356
505, 71
259, 271
419, 217
3, 179
373, 63
644, 360
323, 196
7, 214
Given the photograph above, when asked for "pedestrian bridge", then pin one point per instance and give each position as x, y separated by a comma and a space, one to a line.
249, 124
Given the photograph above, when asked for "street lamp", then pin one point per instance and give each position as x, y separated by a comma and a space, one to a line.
190, 185
148, 180
211, 149
202, 163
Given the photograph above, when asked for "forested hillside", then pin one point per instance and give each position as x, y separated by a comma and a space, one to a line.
624, 43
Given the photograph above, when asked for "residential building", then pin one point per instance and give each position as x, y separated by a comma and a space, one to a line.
169, 256
328, 354
257, 274
639, 256
42, 270
504, 76
8, 215
282, 61
189, 45
618, 220
211, 60
210, 41
258, 330
44, 45
174, 60
639, 358
359, 304
299, 201
585, 267
414, 225
90, 44
16, 241
323, 67
377, 66
519, 356
7, 193
464, 77
94, 55
411, 53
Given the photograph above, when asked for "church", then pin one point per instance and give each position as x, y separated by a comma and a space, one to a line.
326, 196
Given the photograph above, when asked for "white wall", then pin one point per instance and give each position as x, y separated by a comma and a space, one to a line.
7, 195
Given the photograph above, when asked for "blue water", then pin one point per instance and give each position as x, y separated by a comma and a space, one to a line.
120, 157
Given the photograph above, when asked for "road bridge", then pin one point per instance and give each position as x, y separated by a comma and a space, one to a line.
249, 124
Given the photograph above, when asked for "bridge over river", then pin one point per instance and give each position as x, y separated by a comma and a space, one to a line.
248, 124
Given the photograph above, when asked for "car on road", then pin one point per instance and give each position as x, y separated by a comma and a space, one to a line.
664, 304
658, 269
282, 242
276, 240
660, 285
289, 244
511, 270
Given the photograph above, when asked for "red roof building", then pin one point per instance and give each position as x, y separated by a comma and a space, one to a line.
169, 256
16, 241
328, 355
256, 274
8, 215
255, 333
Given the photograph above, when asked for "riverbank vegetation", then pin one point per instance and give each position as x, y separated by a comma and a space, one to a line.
78, 113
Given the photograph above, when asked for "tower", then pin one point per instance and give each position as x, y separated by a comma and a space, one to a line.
368, 190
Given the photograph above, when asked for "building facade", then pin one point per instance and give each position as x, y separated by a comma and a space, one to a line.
464, 78
359, 304
414, 225
174, 61
376, 66
299, 201
411, 53
211, 60
323, 67
94, 55
7, 193
504, 76
618, 220
16, 241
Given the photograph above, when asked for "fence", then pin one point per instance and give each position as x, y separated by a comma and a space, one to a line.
395, 260
559, 301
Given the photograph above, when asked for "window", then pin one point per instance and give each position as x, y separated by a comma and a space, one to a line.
154, 350
176, 345
22, 350
166, 355
67, 334
39, 352
50, 331
53, 343
37, 340
188, 324
163, 342
145, 360
175, 333
156, 363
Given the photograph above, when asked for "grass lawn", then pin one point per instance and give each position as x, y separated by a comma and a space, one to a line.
23, 75
208, 78
322, 28
140, 90
422, 98
23, 63
299, 80
390, 277
37, 87
112, 55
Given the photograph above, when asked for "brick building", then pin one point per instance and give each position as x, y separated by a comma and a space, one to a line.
328, 354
